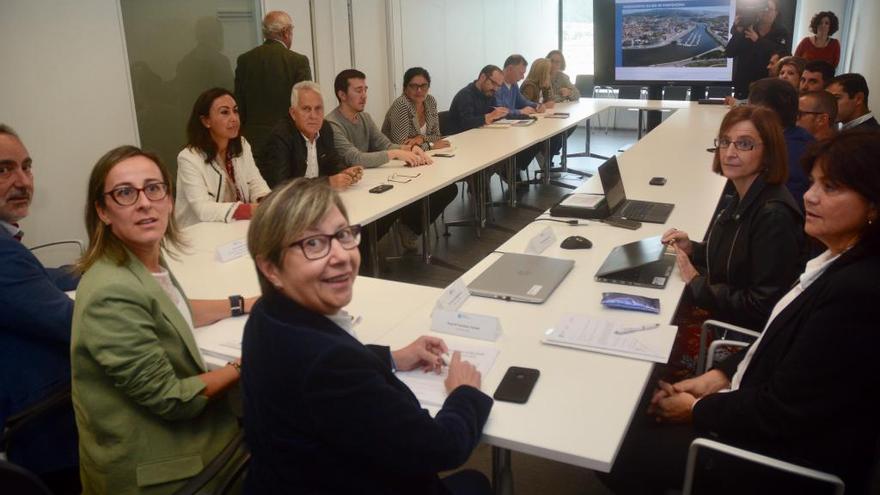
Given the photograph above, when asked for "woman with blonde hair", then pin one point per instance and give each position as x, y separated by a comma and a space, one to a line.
536, 86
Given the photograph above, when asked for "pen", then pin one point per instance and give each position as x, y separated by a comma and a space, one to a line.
624, 331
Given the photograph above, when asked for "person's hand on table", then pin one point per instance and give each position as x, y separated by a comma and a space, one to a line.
414, 141
498, 113
346, 178
441, 143
529, 110
461, 373
564, 92
410, 157
424, 158
549, 104
425, 352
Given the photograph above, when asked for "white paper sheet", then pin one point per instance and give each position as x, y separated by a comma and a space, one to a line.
594, 334
429, 387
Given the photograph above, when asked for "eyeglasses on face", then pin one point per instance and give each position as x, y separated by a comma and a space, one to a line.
128, 195
315, 247
418, 87
739, 144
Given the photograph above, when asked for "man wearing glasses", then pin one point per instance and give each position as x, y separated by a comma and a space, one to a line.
817, 114
34, 332
474, 105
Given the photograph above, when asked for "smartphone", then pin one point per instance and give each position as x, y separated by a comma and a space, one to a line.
622, 223
657, 181
517, 385
381, 188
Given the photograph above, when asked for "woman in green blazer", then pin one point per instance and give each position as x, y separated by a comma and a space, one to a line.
149, 414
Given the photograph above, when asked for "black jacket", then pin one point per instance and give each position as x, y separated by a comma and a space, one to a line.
750, 58
284, 156
809, 394
753, 253
325, 414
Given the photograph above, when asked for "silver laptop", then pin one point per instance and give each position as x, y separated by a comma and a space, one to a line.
521, 277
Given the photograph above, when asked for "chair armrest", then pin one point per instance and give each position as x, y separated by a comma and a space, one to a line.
77, 242
710, 325
710, 355
750, 456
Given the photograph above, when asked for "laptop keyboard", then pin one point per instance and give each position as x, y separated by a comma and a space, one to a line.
636, 209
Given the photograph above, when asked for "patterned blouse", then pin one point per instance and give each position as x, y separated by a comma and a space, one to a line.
401, 121
560, 80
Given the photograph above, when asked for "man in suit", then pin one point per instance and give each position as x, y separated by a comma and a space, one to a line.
34, 332
302, 146
851, 91
264, 77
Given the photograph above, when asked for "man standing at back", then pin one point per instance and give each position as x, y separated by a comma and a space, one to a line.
264, 77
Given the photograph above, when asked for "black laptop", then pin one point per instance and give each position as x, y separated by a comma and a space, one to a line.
630, 209
642, 263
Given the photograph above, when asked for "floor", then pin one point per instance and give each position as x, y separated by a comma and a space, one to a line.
462, 248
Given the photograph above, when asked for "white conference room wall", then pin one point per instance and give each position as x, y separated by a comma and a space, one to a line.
65, 89
862, 57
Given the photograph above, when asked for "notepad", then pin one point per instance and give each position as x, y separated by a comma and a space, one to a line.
429, 387
598, 335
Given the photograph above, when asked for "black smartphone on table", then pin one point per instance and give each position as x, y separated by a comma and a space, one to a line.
517, 385
381, 188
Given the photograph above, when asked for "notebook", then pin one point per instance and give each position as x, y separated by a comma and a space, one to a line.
620, 207
521, 277
642, 263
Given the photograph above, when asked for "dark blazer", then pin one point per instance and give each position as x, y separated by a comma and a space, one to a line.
284, 156
870, 124
750, 58
753, 253
325, 414
810, 390
35, 354
469, 108
264, 77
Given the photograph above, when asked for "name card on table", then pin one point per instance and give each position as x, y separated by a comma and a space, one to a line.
452, 297
463, 324
232, 250
542, 241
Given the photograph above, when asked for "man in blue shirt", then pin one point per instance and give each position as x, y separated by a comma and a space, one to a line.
474, 105
508, 95
34, 332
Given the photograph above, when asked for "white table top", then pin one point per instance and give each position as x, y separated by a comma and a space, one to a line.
582, 405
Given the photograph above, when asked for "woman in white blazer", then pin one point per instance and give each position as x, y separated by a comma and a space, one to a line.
217, 179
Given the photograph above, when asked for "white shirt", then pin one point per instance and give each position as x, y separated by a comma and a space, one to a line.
814, 269
163, 278
12, 229
854, 122
423, 130
345, 321
312, 169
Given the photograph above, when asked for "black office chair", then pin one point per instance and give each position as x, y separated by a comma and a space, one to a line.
585, 84
676, 93
17, 422
444, 122
18, 480
718, 91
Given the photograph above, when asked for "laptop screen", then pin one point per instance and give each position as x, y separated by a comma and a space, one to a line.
609, 174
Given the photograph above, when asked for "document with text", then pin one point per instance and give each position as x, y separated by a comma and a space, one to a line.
429, 387
617, 337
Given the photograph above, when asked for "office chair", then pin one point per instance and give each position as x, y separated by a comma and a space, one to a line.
19, 421
676, 93
58, 253
718, 91
726, 458
18, 480
724, 335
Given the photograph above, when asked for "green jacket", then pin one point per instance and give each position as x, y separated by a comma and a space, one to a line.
144, 426
264, 77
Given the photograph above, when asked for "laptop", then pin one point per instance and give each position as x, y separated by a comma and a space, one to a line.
629, 209
521, 277
642, 263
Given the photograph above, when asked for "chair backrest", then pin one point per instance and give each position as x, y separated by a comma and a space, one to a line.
585, 83
18, 480
444, 122
58, 253
741, 471
629, 92
718, 91
679, 93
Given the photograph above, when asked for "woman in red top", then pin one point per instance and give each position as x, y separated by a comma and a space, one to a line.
821, 46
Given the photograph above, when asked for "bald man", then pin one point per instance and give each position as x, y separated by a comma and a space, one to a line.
264, 77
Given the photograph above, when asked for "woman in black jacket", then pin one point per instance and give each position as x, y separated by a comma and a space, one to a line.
753, 251
805, 391
322, 412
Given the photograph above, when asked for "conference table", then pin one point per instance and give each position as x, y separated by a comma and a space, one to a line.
583, 402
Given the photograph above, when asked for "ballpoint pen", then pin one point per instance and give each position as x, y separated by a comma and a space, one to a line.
624, 331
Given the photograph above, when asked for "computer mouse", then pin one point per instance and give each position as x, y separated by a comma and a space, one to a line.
576, 242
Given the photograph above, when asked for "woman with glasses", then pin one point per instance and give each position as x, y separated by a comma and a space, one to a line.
561, 87
149, 413
753, 251
322, 412
413, 120
217, 179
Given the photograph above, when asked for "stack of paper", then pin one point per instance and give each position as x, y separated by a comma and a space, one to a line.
599, 335
429, 387
221, 340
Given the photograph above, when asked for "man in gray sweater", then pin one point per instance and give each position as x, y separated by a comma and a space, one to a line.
359, 141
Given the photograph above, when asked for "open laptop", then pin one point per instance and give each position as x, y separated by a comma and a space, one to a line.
521, 277
642, 263
630, 209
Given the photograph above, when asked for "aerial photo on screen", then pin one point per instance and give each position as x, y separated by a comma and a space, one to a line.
675, 37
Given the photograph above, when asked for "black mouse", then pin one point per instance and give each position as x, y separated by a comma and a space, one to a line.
576, 242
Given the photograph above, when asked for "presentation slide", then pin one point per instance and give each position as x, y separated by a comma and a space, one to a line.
672, 40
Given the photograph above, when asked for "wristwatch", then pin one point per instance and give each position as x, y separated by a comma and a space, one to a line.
430, 145
236, 304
